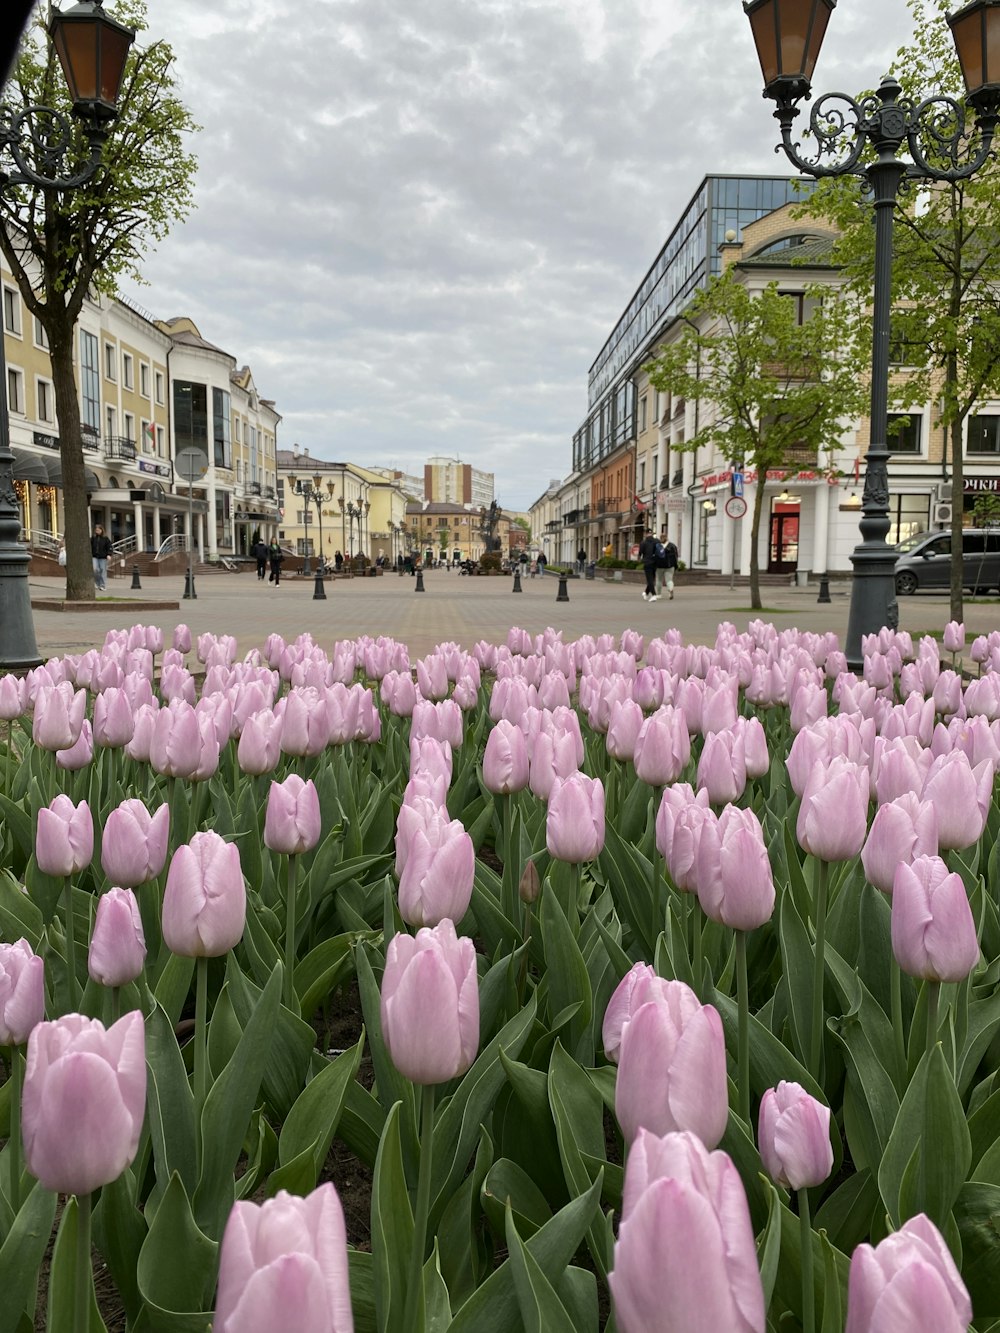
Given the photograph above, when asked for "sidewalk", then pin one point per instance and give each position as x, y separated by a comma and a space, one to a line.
460, 609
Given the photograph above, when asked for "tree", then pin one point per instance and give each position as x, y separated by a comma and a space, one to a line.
61, 246
775, 388
946, 266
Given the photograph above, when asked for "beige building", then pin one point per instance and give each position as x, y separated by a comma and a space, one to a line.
438, 530
361, 511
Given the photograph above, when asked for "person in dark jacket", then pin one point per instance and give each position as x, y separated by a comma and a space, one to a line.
275, 555
100, 551
647, 554
260, 553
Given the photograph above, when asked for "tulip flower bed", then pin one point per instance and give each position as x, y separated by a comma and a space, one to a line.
679, 969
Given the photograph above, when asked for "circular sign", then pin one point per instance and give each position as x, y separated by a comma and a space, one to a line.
191, 464
736, 506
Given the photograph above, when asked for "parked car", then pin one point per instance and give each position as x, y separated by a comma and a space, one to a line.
924, 561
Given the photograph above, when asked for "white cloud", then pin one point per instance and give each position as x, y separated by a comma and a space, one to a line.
418, 220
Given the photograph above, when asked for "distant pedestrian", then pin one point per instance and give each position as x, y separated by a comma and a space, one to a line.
581, 560
541, 562
100, 550
275, 554
260, 554
338, 561
647, 554
666, 563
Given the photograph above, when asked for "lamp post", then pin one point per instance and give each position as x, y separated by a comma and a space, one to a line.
354, 511
310, 490
92, 50
941, 146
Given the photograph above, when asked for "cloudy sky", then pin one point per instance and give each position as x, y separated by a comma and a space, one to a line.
418, 220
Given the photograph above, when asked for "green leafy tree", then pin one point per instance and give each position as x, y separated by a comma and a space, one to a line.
62, 246
946, 268
773, 389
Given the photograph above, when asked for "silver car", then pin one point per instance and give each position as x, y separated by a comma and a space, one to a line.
924, 561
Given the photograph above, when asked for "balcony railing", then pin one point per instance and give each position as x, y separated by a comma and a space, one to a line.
254, 488
119, 446
268, 492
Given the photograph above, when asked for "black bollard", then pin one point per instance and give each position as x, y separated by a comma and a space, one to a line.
420, 581
189, 591
517, 581
135, 578
319, 591
824, 588
563, 594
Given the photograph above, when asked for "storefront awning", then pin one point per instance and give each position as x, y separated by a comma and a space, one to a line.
54, 477
29, 467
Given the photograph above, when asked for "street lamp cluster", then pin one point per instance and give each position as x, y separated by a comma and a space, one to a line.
92, 50
938, 145
312, 491
355, 513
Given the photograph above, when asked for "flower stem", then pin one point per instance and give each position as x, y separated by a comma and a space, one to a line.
290, 914
697, 964
200, 1048
743, 993
896, 1000
933, 997
82, 1275
819, 972
523, 972
116, 1003
808, 1289
654, 897
71, 985
414, 1285
15, 1129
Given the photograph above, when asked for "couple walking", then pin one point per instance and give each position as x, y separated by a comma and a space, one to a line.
266, 554
659, 560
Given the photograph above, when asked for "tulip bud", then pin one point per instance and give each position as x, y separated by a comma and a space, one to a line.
430, 1004
529, 886
505, 759
437, 874
574, 824
794, 1136
134, 845
685, 1257
908, 1282
733, 874
961, 795
283, 1264
84, 1101
933, 931
58, 717
901, 831
64, 839
204, 902
638, 986
293, 823
22, 992
833, 816
118, 946
663, 747
79, 755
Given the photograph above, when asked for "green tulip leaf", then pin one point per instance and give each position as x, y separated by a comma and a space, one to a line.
567, 977
769, 1244
437, 1303
62, 1278
19, 916
977, 1213
290, 1046
927, 1159
392, 1228
21, 1256
497, 930
833, 1291
312, 1123
323, 969
540, 1307
846, 1214
507, 1185
983, 1026
224, 1032
493, 1307
578, 1113
119, 1231
178, 1262
391, 1086
173, 985
361, 1272
798, 959
169, 1103
17, 817
626, 873
462, 1253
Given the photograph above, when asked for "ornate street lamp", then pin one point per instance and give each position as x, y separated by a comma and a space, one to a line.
92, 50
941, 146
310, 490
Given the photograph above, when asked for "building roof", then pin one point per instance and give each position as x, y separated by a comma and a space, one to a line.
445, 507
802, 251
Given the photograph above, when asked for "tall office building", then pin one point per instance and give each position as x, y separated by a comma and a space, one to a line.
450, 481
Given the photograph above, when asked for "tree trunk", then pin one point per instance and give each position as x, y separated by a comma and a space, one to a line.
758, 509
79, 569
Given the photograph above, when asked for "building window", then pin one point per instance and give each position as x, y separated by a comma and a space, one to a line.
12, 311
46, 401
161, 442
15, 391
147, 434
643, 407
304, 546
236, 429
642, 475
159, 387
90, 382
110, 362
904, 433
129, 426
190, 416
144, 379
111, 422
908, 515
656, 470
41, 337
984, 435
221, 418
128, 371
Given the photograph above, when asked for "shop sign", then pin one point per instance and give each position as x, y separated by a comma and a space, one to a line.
158, 469
974, 485
45, 441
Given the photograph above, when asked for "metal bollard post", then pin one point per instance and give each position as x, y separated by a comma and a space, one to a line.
517, 581
319, 591
189, 591
563, 594
420, 581
135, 577
824, 588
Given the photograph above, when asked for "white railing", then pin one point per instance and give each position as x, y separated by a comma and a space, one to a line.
40, 540
177, 541
124, 546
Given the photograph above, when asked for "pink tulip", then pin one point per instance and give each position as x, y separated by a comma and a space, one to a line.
675, 798
12, 698
682, 857
755, 752
901, 831
624, 725
647, 689
175, 746
117, 946
722, 769
505, 759
204, 902
79, 755
430, 1004
908, 1283
432, 677
552, 756
283, 1264
574, 823
84, 1101
833, 816
948, 693
182, 639
685, 1257
22, 992
134, 844
433, 756
64, 838
437, 875
142, 736
58, 717
292, 824
720, 705
663, 747
305, 723
793, 1133
954, 637
961, 795
639, 985
933, 931
259, 748
900, 766
672, 1067
734, 882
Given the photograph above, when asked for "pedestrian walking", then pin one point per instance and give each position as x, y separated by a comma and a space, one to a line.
260, 553
647, 554
338, 561
275, 555
100, 551
581, 560
666, 563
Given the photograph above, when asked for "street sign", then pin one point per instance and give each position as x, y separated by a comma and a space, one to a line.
738, 484
675, 504
736, 506
192, 464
